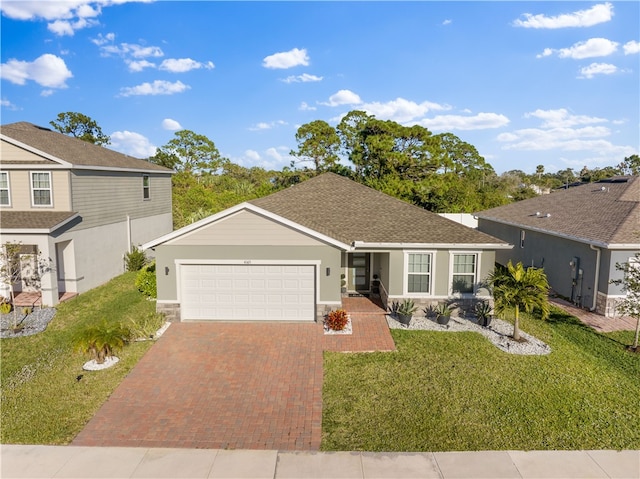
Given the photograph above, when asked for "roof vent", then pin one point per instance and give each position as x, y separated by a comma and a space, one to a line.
548, 215
537, 213
603, 188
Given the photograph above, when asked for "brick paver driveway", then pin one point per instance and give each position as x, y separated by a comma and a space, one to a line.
229, 385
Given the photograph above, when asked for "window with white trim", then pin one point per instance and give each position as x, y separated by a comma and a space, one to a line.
41, 188
146, 187
419, 273
5, 192
464, 272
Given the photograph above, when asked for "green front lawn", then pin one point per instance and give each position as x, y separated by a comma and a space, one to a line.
456, 391
42, 400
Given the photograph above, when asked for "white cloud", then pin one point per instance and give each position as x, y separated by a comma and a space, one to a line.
401, 110
594, 47
569, 139
561, 118
305, 107
252, 155
273, 159
563, 131
180, 65
631, 47
7, 104
64, 16
289, 59
103, 39
47, 70
480, 121
46, 93
600, 13
132, 50
66, 27
139, 65
597, 69
158, 87
343, 97
267, 125
131, 143
447, 22
304, 78
171, 125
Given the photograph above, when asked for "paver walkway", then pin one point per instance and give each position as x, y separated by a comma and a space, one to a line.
598, 322
224, 385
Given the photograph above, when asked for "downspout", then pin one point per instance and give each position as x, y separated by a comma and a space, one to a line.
595, 282
128, 234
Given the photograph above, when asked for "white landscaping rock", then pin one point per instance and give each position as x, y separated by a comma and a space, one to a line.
498, 332
94, 366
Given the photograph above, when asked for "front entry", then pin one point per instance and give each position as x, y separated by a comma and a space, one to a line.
358, 272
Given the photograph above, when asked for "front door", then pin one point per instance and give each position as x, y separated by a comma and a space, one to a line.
359, 272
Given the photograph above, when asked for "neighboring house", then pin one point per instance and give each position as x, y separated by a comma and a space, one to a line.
81, 205
293, 254
577, 235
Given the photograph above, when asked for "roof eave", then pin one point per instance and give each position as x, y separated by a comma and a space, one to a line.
599, 244
63, 164
40, 230
365, 244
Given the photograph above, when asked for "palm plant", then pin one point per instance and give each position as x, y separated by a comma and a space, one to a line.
518, 287
101, 340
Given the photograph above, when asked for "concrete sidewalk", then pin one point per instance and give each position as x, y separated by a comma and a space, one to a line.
111, 462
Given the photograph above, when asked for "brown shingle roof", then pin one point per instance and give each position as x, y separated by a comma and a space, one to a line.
606, 212
34, 220
348, 211
72, 150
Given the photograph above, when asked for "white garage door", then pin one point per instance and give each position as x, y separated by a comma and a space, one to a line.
248, 292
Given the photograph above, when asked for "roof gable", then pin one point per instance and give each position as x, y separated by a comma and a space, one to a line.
245, 228
604, 213
71, 152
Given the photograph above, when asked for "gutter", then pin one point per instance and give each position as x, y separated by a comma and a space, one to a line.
365, 244
595, 282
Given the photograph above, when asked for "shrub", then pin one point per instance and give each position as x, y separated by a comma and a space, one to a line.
337, 320
146, 280
135, 260
5, 308
101, 340
143, 327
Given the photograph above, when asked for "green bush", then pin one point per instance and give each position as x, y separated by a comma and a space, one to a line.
135, 260
5, 308
146, 280
143, 327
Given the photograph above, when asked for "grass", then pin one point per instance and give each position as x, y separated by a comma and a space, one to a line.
42, 401
456, 391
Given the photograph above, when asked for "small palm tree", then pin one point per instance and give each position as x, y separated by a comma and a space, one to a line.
101, 340
518, 287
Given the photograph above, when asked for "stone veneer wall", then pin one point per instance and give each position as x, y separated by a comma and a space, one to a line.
606, 305
170, 310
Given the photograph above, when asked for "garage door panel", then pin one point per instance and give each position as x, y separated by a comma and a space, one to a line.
248, 292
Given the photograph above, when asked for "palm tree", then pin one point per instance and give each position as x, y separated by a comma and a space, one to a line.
518, 287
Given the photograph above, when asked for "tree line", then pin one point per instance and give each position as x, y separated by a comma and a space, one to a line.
438, 172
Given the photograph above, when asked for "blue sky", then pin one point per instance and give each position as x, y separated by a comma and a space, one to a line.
527, 83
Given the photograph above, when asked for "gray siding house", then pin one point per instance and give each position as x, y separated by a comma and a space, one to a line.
293, 255
577, 235
82, 206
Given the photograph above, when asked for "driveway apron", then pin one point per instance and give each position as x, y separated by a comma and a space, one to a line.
219, 385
